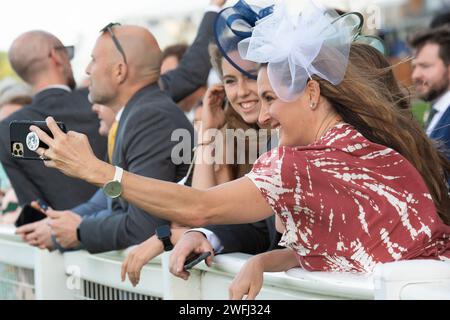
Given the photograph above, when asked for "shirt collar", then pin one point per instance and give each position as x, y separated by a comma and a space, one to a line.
119, 114
55, 86
443, 102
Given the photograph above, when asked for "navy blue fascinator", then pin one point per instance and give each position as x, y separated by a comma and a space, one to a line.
234, 24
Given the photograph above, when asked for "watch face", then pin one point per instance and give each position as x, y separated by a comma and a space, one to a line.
113, 189
163, 232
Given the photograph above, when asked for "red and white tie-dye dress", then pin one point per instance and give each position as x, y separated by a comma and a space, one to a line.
349, 204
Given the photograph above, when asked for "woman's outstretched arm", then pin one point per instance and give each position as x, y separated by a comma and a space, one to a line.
71, 154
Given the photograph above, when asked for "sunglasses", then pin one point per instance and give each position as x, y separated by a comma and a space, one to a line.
70, 50
109, 28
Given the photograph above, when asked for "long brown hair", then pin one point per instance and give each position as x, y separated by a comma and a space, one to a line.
233, 121
363, 101
372, 61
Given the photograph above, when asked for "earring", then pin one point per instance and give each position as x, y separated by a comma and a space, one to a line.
312, 105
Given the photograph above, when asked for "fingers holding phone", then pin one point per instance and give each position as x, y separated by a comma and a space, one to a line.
70, 153
192, 242
193, 259
33, 225
25, 143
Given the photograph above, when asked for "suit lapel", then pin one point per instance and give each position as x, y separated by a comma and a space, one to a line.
117, 156
442, 129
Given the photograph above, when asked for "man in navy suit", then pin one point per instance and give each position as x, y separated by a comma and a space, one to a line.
431, 77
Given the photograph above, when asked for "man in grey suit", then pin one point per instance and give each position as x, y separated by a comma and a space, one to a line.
123, 76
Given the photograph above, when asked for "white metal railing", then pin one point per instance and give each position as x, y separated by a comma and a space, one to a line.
80, 275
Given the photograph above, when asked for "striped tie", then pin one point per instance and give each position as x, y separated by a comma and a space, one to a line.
112, 139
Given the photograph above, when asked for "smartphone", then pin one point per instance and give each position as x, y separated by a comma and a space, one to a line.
224, 103
29, 215
24, 143
195, 259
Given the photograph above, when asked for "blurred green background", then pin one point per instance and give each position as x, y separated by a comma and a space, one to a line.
419, 108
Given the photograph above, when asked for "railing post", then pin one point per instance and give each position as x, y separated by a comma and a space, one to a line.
177, 289
391, 278
50, 277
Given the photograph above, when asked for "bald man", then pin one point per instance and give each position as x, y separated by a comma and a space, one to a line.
42, 61
124, 77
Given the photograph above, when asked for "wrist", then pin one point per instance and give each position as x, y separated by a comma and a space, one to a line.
155, 242
177, 233
257, 261
100, 173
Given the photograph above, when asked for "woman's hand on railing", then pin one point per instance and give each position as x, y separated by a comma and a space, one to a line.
248, 282
145, 252
139, 257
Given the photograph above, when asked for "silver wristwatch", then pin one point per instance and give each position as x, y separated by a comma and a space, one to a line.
113, 188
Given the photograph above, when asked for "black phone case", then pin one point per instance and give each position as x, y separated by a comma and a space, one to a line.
18, 131
29, 215
192, 261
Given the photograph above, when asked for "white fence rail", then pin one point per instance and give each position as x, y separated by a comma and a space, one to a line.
28, 273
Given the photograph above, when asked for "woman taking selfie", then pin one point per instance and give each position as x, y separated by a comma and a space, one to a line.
231, 107
350, 180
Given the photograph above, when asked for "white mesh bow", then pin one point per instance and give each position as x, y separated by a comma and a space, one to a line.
317, 42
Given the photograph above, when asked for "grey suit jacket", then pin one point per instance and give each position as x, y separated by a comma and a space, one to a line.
32, 179
143, 146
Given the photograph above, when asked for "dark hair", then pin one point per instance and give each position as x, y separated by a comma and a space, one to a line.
362, 101
368, 105
440, 20
177, 50
439, 36
373, 63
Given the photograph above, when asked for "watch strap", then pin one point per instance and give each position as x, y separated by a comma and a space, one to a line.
78, 234
167, 243
118, 174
